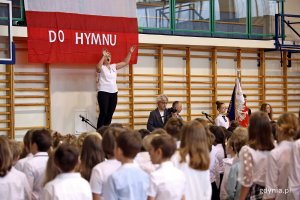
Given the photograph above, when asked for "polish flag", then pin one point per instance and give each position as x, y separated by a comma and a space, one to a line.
76, 31
238, 109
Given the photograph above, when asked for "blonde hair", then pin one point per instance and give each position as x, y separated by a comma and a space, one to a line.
239, 139
195, 144
288, 125
16, 149
147, 140
51, 170
161, 97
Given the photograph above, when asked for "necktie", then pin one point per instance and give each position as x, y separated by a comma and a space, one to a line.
224, 118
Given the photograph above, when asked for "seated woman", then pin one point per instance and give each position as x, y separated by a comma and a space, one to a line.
265, 107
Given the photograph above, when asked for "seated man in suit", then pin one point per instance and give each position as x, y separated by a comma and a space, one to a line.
158, 117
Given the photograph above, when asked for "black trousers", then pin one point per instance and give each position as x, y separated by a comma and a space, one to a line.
107, 104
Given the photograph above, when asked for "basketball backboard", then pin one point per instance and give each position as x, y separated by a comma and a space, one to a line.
7, 50
287, 32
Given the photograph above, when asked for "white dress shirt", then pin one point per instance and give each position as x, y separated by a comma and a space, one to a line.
35, 169
220, 156
100, 174
20, 163
144, 161
198, 186
222, 120
14, 186
107, 79
277, 174
167, 183
214, 166
294, 176
67, 186
227, 163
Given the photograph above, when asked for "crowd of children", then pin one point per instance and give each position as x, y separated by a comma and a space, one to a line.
186, 160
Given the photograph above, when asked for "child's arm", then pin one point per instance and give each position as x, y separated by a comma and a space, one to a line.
246, 172
244, 192
183, 197
96, 196
150, 198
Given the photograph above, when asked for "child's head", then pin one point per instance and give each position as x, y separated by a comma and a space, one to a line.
260, 132
196, 145
204, 122
238, 139
233, 125
6, 158
287, 126
109, 141
102, 129
66, 157
174, 126
144, 132
56, 138
41, 140
229, 148
91, 154
159, 131
26, 141
129, 144
221, 107
16, 149
219, 134
147, 141
162, 148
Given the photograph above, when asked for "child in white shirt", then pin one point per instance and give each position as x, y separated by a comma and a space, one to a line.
193, 160
35, 167
254, 156
13, 183
280, 157
67, 184
167, 182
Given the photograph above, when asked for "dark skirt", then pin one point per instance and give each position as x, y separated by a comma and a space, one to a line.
256, 192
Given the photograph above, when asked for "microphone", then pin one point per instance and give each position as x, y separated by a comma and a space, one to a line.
204, 113
83, 118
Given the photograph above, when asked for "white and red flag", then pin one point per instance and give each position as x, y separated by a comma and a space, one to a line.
76, 31
238, 109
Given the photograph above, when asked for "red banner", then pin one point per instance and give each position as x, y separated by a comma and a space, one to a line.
57, 37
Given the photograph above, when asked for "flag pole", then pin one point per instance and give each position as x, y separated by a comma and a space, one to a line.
238, 75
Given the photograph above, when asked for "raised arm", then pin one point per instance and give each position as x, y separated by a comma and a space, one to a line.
125, 62
104, 56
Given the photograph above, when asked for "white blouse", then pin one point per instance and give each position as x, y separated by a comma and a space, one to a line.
222, 120
277, 174
294, 176
107, 79
198, 185
253, 166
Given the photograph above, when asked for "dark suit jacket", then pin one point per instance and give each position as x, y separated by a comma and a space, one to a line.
155, 121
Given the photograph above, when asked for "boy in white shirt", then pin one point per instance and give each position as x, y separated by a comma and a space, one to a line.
67, 184
129, 181
167, 182
35, 167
